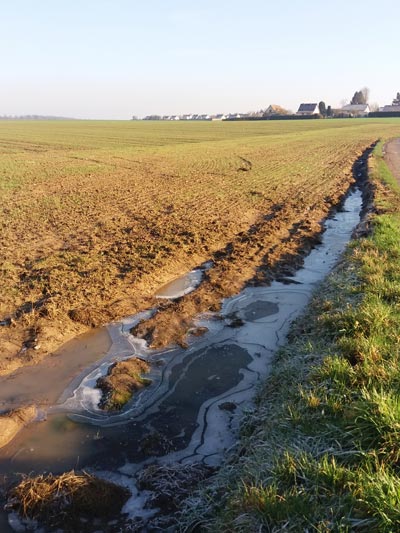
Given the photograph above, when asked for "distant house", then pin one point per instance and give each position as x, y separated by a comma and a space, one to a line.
275, 110
308, 109
390, 109
232, 116
219, 117
356, 110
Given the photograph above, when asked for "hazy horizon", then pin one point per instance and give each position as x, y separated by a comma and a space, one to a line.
114, 59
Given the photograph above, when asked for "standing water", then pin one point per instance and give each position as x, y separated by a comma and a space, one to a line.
192, 409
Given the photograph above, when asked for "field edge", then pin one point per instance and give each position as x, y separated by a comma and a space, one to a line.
320, 447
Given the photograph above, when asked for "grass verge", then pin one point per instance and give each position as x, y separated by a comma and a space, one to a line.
321, 451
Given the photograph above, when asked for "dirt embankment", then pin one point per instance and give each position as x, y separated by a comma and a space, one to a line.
13, 421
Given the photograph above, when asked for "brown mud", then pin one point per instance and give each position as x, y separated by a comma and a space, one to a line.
12, 422
272, 244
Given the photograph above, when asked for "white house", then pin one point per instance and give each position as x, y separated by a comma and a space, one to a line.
308, 109
219, 117
357, 110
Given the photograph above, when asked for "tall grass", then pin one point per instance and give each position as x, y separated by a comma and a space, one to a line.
321, 451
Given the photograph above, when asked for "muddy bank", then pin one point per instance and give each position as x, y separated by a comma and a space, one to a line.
12, 422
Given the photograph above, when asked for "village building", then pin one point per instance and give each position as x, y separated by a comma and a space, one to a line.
308, 109
356, 110
275, 110
390, 109
219, 117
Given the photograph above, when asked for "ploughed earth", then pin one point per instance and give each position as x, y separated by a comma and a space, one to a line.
95, 218
271, 245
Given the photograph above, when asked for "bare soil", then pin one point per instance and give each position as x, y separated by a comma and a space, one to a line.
96, 217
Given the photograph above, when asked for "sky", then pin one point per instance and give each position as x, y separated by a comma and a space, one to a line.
111, 59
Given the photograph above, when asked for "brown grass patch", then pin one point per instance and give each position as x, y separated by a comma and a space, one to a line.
122, 381
61, 501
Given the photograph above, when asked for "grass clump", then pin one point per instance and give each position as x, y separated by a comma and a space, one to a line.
122, 381
321, 450
68, 501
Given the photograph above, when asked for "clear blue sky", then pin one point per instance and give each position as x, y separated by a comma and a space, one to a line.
115, 58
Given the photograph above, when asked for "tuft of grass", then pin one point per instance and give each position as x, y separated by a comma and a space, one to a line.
62, 501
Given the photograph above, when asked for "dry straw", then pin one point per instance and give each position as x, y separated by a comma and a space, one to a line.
64, 499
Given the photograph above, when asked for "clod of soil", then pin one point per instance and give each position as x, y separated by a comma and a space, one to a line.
13, 421
228, 406
198, 332
122, 381
67, 501
155, 444
89, 317
234, 321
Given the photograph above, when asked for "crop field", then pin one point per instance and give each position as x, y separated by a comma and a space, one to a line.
96, 216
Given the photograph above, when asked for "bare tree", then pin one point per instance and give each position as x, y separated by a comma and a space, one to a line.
360, 97
365, 93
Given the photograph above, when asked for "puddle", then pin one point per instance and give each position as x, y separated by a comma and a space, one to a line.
181, 415
183, 285
43, 383
257, 310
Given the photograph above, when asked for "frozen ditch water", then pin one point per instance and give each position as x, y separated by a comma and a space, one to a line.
183, 285
192, 409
